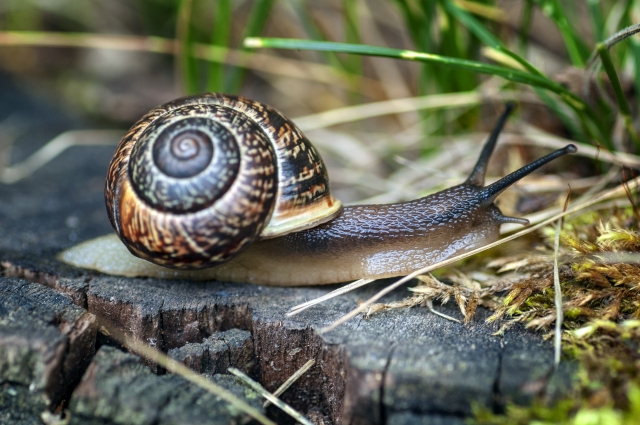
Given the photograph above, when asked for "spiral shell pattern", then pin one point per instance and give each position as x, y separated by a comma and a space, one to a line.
197, 180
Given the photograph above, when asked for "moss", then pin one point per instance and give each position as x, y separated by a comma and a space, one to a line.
601, 304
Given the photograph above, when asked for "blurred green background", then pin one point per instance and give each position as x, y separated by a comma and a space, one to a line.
114, 60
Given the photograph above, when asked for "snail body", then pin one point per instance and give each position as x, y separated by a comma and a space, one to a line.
271, 219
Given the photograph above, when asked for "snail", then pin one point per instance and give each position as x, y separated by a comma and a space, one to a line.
222, 187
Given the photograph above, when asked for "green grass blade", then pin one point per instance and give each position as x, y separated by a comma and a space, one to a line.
257, 20
450, 43
586, 114
419, 19
634, 47
220, 37
353, 63
415, 18
631, 53
605, 57
472, 24
568, 120
484, 35
430, 79
621, 100
554, 11
597, 23
525, 26
187, 64
454, 63
301, 10
621, 35
481, 32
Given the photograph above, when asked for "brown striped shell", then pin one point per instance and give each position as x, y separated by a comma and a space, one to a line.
198, 179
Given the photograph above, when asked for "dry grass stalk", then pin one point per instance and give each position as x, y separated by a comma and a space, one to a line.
293, 378
467, 292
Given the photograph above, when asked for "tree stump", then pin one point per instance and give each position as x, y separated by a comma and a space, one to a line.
398, 367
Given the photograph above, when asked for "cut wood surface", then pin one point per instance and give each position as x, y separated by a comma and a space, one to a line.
118, 388
404, 366
46, 343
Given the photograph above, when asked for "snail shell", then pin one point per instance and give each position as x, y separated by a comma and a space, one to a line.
197, 180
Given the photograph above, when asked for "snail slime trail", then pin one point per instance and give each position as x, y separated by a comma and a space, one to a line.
220, 187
